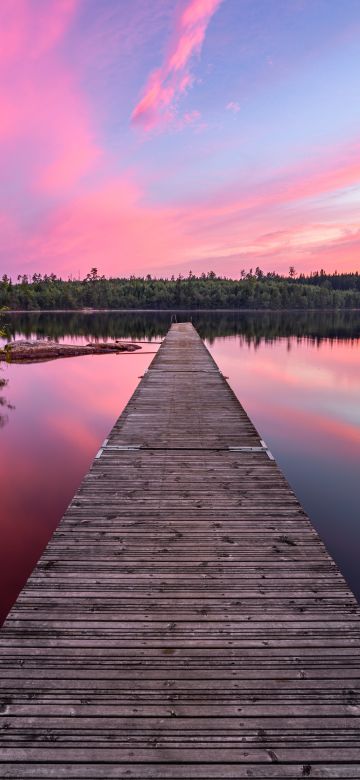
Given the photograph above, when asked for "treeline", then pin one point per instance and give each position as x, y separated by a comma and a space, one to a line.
334, 281
254, 290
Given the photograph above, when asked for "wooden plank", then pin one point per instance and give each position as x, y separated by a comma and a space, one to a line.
98, 771
185, 619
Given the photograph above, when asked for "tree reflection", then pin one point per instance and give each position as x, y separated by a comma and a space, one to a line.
251, 327
4, 403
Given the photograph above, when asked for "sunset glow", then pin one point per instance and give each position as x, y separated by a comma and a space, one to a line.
161, 137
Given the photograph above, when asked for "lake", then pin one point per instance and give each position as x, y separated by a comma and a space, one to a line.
297, 375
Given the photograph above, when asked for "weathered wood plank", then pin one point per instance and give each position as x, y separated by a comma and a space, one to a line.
99, 771
185, 620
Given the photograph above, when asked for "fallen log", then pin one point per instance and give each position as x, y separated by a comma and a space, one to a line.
40, 350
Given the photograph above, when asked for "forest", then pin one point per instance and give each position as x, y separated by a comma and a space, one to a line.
253, 290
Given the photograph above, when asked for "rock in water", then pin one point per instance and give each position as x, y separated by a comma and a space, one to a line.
30, 351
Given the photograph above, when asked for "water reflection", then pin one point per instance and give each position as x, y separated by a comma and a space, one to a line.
251, 326
305, 403
4, 403
297, 375
64, 410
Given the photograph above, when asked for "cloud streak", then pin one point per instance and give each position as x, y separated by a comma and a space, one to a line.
166, 84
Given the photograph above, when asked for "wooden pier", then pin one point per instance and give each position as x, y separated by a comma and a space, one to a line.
185, 620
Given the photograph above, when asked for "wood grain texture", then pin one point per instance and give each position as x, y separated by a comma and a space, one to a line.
185, 621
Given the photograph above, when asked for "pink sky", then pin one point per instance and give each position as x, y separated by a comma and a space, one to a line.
178, 135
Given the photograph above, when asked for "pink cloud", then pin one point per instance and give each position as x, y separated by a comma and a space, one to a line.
233, 106
73, 151
190, 119
115, 227
43, 114
69, 213
109, 227
331, 172
289, 218
174, 77
191, 116
29, 28
52, 22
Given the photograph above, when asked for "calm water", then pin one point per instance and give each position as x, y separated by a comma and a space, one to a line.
298, 376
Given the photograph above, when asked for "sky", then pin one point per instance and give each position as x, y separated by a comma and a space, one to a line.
174, 135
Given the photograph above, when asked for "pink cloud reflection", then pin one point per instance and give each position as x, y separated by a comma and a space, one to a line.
63, 413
